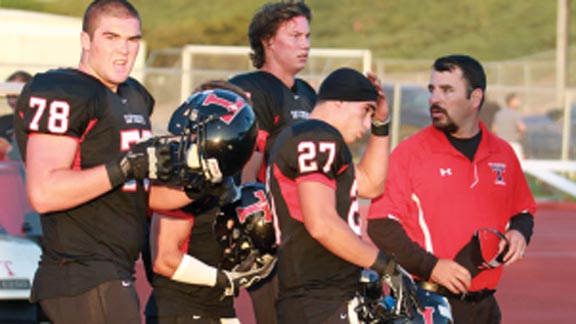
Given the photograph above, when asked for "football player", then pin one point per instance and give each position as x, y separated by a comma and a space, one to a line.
279, 35
192, 282
314, 189
75, 127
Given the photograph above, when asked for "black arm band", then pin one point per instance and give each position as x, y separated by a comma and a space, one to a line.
384, 264
523, 223
380, 128
222, 280
115, 173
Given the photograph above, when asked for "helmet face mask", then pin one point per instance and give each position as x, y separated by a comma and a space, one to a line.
222, 131
245, 226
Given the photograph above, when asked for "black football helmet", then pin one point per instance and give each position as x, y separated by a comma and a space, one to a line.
245, 226
436, 308
223, 130
375, 307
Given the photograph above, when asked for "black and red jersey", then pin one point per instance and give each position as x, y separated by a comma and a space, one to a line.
275, 106
101, 239
312, 150
172, 298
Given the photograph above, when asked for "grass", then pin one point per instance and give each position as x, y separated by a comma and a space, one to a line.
544, 192
408, 29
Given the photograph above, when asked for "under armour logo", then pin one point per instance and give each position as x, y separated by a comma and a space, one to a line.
445, 172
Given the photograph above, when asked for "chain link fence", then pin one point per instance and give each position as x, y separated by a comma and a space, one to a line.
533, 80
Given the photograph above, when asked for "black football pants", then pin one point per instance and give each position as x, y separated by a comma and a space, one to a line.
111, 302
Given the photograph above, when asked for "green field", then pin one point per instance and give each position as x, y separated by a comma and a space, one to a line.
492, 30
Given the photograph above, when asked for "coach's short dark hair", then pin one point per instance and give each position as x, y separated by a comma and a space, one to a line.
266, 22
472, 71
114, 8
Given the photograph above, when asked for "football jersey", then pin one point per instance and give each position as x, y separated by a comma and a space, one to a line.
312, 150
275, 106
99, 240
172, 298
441, 197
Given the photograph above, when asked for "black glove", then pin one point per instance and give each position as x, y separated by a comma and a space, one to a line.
148, 158
163, 169
249, 272
224, 192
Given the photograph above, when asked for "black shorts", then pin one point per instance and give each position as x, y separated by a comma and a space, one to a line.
484, 311
111, 302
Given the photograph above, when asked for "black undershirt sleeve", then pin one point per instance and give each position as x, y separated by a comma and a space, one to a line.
390, 238
523, 223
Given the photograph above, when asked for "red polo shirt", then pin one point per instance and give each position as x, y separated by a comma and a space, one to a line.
441, 197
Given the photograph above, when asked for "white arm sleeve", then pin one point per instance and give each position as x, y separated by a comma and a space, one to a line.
196, 272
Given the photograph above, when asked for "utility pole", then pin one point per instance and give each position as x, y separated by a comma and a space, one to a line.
562, 50
562, 39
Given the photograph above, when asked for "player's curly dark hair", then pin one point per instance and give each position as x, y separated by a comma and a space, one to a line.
114, 8
266, 22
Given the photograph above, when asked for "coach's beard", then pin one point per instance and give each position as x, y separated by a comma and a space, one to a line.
448, 126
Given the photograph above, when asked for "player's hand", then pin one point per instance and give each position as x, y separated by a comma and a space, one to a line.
452, 276
517, 247
5, 146
259, 269
382, 112
147, 158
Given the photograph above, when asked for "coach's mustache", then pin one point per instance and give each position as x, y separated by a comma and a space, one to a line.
438, 109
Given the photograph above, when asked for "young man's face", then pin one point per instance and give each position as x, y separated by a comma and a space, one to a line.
290, 46
355, 118
112, 49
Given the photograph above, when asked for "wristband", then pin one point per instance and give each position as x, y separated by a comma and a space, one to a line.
195, 272
384, 265
380, 128
115, 173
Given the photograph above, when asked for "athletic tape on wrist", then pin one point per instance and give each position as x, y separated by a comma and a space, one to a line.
196, 272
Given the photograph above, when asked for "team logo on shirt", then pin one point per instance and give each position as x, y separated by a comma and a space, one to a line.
232, 107
445, 172
499, 169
